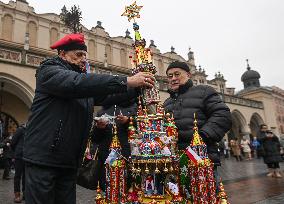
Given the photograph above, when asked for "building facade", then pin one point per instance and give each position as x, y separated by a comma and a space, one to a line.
25, 39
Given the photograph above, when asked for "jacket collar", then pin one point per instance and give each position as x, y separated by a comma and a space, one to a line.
182, 89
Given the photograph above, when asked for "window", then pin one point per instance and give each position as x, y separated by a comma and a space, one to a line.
7, 28
32, 30
53, 35
91, 49
123, 58
108, 53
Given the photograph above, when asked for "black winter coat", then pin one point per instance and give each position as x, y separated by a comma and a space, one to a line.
62, 111
271, 150
213, 115
260, 137
103, 137
17, 142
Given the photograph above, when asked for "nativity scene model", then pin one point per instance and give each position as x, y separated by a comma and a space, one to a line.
157, 172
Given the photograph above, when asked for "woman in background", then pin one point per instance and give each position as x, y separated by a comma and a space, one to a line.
272, 157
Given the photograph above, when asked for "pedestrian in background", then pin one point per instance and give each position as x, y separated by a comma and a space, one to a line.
271, 156
1, 129
245, 144
7, 157
255, 146
221, 147
236, 149
226, 148
17, 146
260, 136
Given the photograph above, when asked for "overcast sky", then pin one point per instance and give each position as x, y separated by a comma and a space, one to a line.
222, 33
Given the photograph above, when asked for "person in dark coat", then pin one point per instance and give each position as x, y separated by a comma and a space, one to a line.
17, 146
8, 155
213, 115
260, 136
103, 133
271, 156
61, 117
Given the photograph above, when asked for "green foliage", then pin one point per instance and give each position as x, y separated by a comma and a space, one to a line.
72, 19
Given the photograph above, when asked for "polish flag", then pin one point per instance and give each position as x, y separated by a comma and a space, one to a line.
192, 155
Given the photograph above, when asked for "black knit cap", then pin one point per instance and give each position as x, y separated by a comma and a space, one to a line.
178, 64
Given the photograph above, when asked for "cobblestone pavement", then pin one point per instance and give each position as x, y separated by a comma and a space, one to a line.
245, 182
274, 200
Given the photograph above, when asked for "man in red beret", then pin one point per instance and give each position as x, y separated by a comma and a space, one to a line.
61, 117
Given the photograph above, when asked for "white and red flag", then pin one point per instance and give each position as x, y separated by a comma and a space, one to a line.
192, 155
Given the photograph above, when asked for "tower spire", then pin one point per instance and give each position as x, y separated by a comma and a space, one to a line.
248, 67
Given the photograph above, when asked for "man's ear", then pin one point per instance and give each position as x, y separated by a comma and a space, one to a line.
61, 54
189, 74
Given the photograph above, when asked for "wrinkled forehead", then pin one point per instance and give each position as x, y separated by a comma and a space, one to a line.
77, 53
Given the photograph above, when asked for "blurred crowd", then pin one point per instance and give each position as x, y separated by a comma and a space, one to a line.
265, 145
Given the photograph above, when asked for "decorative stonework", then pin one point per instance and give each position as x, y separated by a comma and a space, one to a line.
9, 55
34, 60
242, 101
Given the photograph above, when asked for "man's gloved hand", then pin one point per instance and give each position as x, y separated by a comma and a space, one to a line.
122, 119
101, 124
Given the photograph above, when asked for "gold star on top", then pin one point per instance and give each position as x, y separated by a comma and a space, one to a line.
132, 11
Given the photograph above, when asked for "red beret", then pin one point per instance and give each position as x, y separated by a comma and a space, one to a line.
70, 42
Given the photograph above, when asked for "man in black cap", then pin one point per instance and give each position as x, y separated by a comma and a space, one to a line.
61, 115
214, 117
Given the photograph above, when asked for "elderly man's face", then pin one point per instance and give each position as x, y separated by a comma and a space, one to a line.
263, 128
177, 77
77, 57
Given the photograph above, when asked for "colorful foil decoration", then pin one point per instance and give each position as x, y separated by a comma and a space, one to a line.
115, 173
201, 173
158, 173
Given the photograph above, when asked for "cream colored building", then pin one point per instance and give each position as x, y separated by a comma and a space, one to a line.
272, 99
25, 38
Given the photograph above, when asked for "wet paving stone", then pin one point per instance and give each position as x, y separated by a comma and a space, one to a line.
245, 182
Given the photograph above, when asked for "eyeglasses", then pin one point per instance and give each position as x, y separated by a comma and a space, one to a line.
171, 75
80, 53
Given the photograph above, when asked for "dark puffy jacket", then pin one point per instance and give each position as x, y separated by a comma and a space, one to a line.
271, 150
260, 137
62, 111
213, 115
17, 142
